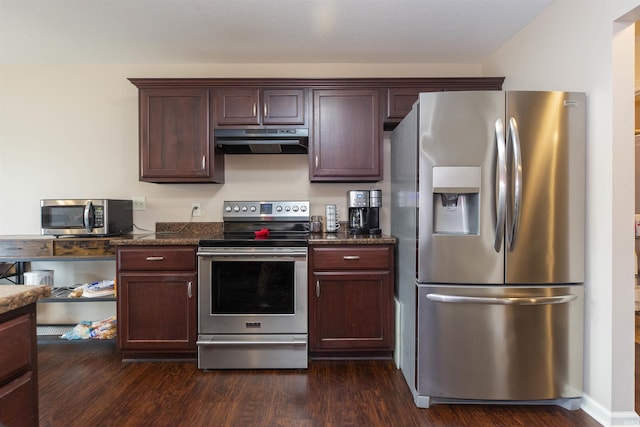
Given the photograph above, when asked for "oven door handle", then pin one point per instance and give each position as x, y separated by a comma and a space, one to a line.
243, 343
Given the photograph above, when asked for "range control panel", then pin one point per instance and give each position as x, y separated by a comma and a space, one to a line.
266, 210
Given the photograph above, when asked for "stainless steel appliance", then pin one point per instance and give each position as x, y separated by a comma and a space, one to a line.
364, 211
358, 204
85, 217
373, 215
488, 198
252, 288
262, 141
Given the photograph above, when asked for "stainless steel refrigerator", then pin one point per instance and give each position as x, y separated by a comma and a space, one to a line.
488, 201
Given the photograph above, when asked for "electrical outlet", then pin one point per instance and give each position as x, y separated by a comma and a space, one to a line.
195, 209
139, 203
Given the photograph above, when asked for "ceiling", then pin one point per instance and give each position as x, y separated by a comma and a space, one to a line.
258, 31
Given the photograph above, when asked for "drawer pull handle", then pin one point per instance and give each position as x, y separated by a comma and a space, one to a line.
155, 258
189, 290
317, 289
350, 257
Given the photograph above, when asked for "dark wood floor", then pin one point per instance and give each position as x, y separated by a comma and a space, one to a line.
86, 384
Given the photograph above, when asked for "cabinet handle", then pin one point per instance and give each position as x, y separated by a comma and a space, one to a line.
204, 162
189, 290
316, 162
255, 107
265, 109
317, 288
351, 257
155, 258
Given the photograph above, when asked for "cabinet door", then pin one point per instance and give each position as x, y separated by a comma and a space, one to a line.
283, 107
235, 106
347, 136
157, 311
351, 311
255, 107
400, 101
174, 137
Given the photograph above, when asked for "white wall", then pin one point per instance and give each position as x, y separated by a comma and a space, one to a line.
575, 45
71, 131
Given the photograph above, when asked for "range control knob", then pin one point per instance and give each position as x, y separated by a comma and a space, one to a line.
244, 209
227, 208
253, 208
236, 208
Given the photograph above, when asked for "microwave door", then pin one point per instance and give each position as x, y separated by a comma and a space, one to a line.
64, 217
89, 216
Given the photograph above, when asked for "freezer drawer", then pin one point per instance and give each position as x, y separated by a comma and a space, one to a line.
500, 343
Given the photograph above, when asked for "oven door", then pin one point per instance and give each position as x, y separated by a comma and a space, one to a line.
252, 291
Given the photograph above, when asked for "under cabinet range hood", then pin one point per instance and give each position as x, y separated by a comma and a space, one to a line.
262, 141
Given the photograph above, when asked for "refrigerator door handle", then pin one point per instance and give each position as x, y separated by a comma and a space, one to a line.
512, 226
457, 299
501, 175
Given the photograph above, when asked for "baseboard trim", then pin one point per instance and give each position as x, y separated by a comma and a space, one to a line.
607, 418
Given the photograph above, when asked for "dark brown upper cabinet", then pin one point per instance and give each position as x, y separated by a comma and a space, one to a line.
398, 99
175, 137
399, 102
347, 136
346, 119
241, 107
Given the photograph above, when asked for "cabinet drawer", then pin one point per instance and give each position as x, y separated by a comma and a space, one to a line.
351, 257
157, 258
18, 403
15, 358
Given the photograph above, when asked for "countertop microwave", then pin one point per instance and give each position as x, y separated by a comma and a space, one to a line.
86, 217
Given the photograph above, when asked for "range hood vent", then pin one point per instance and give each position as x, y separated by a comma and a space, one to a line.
262, 141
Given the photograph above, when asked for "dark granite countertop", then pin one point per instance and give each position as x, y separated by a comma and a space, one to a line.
343, 238
172, 233
166, 233
16, 296
158, 239
191, 233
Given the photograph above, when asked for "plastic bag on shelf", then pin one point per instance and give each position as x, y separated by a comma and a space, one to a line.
95, 330
102, 288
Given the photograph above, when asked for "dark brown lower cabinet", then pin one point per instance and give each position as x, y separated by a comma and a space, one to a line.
351, 301
18, 368
157, 300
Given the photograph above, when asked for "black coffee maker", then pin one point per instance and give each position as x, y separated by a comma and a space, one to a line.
375, 203
364, 211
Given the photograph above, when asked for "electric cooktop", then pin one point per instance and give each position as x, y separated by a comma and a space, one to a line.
263, 224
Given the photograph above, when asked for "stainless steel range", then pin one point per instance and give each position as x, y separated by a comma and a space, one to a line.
252, 288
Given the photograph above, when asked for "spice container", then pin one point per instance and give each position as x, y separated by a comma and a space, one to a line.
315, 225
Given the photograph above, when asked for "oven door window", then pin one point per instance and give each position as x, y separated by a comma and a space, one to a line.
252, 287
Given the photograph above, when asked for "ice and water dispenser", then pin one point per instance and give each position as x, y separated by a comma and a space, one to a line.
456, 199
